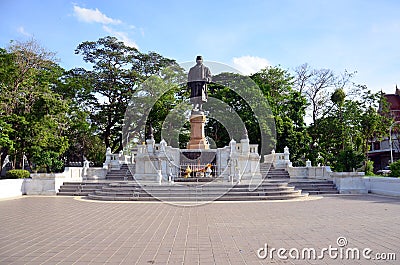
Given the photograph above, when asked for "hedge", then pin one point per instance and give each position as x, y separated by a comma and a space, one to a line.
17, 174
394, 169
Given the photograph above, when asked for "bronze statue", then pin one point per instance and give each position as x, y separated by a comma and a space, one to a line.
198, 77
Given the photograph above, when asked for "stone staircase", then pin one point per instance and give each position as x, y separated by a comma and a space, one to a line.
274, 187
132, 191
88, 186
314, 187
120, 186
309, 186
124, 173
268, 171
80, 188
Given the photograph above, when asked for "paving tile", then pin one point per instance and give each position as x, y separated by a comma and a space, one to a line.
51, 230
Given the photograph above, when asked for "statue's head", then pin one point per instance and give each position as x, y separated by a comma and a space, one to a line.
199, 59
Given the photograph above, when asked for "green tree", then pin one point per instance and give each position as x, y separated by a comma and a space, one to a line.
289, 109
342, 136
349, 160
395, 169
83, 135
30, 106
117, 71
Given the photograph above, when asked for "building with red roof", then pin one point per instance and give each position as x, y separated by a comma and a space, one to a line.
380, 148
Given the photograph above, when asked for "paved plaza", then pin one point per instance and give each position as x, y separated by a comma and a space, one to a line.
67, 230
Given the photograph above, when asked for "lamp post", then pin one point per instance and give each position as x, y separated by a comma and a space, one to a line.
390, 140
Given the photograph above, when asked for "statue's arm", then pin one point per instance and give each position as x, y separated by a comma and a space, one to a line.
208, 75
190, 75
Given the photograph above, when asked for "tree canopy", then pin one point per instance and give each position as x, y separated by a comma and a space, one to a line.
50, 116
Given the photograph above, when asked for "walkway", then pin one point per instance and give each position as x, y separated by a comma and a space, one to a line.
65, 230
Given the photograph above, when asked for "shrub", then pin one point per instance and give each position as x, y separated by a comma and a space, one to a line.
394, 169
369, 168
17, 174
348, 160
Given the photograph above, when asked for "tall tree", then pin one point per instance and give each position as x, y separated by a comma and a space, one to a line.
317, 85
30, 107
83, 135
117, 71
352, 123
288, 107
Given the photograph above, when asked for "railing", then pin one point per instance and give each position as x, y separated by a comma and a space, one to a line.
280, 160
115, 160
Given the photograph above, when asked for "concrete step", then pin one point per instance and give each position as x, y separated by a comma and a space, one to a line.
124, 173
273, 189
79, 188
177, 190
75, 193
268, 189
268, 171
315, 187
185, 191
193, 185
195, 199
311, 181
195, 194
333, 190
321, 192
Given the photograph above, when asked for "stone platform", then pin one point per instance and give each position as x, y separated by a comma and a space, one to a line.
194, 191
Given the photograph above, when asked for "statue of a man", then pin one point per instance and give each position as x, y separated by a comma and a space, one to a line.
198, 77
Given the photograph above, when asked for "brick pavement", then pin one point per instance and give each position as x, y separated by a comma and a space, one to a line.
64, 230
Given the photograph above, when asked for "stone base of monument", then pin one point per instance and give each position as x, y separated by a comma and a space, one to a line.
197, 135
196, 192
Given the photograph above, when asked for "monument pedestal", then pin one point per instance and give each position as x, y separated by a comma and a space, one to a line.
197, 136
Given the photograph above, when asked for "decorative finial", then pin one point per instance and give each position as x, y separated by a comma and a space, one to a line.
245, 135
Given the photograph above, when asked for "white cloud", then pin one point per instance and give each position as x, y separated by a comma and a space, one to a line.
93, 15
121, 36
250, 64
22, 30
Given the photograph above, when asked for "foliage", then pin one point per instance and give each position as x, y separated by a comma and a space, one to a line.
348, 160
32, 114
288, 107
394, 169
369, 168
352, 120
116, 73
52, 116
17, 174
239, 109
338, 97
158, 104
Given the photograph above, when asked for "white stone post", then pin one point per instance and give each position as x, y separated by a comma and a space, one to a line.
107, 163
86, 165
286, 154
245, 146
159, 176
150, 145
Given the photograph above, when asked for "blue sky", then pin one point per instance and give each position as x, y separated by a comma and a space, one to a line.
357, 35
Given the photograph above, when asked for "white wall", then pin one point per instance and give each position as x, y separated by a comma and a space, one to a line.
309, 172
11, 188
383, 185
349, 182
39, 183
